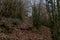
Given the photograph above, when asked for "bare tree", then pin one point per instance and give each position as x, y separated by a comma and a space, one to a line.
35, 17
58, 19
12, 8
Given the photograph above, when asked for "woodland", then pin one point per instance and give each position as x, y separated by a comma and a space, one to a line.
26, 20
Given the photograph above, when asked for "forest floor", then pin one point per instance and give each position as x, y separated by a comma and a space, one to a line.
22, 32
